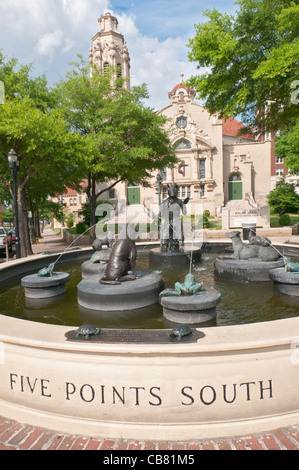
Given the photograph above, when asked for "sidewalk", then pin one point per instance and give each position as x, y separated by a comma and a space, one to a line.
50, 241
20, 436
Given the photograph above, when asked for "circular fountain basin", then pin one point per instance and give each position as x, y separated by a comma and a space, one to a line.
285, 282
237, 270
45, 287
190, 309
178, 258
126, 296
90, 269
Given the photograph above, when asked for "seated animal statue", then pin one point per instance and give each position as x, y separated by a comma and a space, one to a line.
122, 262
251, 251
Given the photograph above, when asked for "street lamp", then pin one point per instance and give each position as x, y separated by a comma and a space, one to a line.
159, 179
13, 165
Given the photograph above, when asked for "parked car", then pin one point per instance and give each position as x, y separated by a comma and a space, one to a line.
12, 234
5, 238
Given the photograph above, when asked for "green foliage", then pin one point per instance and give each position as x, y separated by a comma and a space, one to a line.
70, 221
81, 227
249, 59
284, 220
287, 145
284, 198
125, 141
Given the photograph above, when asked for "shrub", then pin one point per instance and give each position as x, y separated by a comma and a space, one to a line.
70, 222
81, 227
284, 219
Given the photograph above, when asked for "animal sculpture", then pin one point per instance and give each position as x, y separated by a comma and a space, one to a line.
251, 251
122, 262
188, 287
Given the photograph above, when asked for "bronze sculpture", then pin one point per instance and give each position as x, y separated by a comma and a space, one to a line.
172, 234
122, 262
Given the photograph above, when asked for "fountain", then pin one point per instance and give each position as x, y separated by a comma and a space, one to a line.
119, 287
188, 302
172, 251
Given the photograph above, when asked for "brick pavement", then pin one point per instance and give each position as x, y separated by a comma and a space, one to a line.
17, 436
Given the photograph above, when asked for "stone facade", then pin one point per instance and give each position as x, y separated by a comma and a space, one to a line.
109, 48
217, 168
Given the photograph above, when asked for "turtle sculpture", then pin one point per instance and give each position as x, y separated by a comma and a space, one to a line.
180, 331
46, 272
87, 331
290, 266
188, 287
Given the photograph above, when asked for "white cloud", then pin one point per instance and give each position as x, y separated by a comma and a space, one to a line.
157, 63
49, 33
49, 42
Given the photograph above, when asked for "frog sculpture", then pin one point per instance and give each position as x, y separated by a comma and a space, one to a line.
188, 287
290, 266
46, 272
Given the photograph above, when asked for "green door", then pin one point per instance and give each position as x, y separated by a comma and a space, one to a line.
133, 196
235, 188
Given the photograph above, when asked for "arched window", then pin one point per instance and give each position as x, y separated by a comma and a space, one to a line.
235, 177
182, 145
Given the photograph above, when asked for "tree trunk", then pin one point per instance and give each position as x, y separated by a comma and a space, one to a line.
25, 243
93, 206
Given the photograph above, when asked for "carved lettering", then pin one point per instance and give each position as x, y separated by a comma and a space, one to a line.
106, 395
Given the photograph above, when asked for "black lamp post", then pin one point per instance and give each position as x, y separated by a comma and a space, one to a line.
159, 180
13, 165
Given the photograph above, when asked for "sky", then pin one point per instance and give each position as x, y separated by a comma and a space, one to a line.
50, 33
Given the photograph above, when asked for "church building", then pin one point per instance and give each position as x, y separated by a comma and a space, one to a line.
216, 168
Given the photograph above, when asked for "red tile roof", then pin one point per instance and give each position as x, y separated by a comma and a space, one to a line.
231, 126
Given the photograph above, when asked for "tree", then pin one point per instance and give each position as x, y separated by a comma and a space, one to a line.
284, 198
251, 63
47, 150
125, 140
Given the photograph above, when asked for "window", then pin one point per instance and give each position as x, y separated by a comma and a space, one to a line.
182, 145
106, 67
202, 169
279, 160
202, 191
112, 194
181, 122
71, 201
235, 177
279, 172
74, 202
119, 71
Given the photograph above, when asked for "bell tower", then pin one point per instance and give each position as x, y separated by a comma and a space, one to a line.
109, 48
